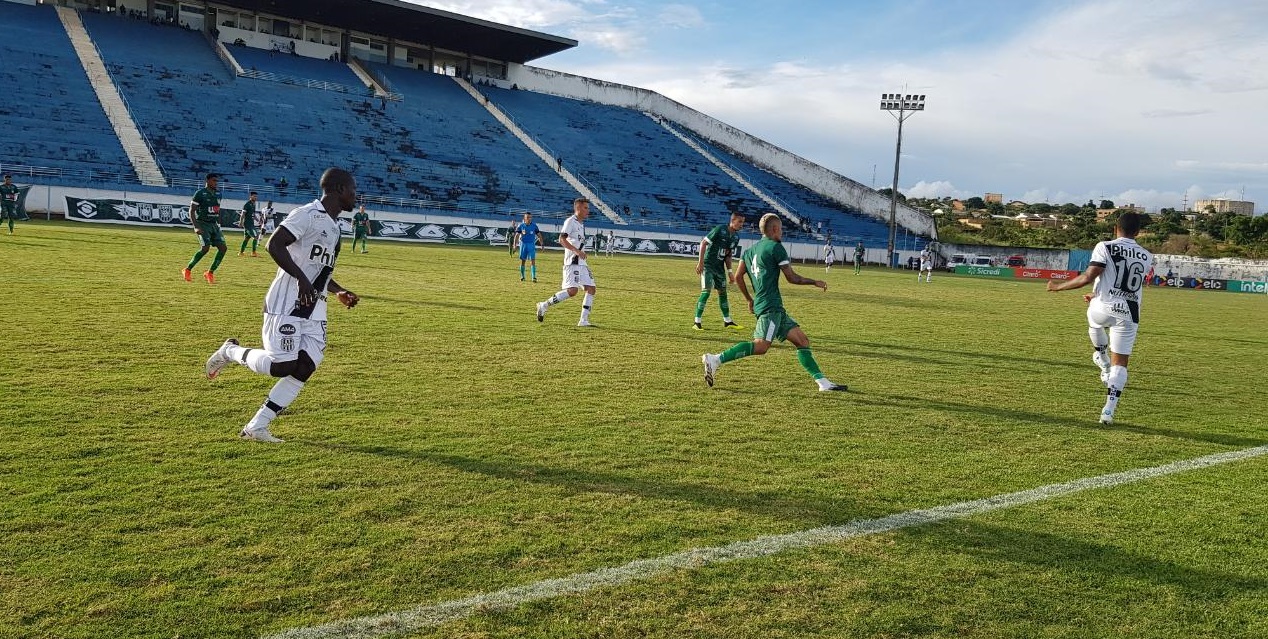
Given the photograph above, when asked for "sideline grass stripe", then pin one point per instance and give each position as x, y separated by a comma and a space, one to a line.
434, 615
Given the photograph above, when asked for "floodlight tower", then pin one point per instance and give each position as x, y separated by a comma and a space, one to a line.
901, 106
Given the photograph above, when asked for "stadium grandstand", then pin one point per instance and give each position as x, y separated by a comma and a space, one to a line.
434, 112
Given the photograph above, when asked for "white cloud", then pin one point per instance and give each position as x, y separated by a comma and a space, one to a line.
681, 16
937, 189
1099, 98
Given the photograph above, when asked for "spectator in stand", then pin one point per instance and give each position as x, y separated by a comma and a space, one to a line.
282, 184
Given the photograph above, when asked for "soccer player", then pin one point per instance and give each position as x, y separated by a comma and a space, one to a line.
858, 258
204, 212
251, 222
829, 255
9, 201
1117, 273
764, 262
577, 276
714, 267
360, 229
305, 247
267, 223
926, 265
611, 245
511, 236
529, 235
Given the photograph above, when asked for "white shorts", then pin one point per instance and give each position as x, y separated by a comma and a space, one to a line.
926, 266
577, 276
1122, 330
285, 336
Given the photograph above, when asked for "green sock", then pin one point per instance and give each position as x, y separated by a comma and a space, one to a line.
220, 255
808, 362
726, 308
197, 257
10, 224
739, 351
243, 249
704, 297
254, 242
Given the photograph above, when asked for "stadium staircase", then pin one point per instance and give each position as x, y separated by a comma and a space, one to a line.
134, 143
537, 150
735, 175
378, 85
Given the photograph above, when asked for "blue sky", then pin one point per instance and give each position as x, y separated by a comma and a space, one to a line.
1142, 101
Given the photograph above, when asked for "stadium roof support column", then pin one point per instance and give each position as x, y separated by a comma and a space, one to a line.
537, 149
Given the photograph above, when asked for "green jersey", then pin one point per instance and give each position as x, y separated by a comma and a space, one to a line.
858, 252
206, 208
763, 262
360, 222
9, 196
718, 246
248, 216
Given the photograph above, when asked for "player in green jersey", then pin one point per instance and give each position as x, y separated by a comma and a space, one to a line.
204, 212
250, 222
764, 262
360, 229
858, 258
714, 266
9, 201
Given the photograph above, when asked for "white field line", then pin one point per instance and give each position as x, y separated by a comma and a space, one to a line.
430, 616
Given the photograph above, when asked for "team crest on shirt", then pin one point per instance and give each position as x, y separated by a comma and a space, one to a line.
287, 343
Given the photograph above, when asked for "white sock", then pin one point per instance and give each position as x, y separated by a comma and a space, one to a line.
284, 392
823, 383
256, 359
558, 297
698, 320
726, 319
1116, 382
1100, 342
585, 307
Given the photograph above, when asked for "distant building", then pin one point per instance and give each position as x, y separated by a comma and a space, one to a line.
957, 205
998, 198
1225, 206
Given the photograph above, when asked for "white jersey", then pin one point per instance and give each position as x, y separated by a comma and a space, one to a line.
314, 250
829, 253
1118, 289
926, 258
576, 231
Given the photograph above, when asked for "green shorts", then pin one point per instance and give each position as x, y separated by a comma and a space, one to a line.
9, 210
773, 326
211, 235
251, 232
713, 278
359, 234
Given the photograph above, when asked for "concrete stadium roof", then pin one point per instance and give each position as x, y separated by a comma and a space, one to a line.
423, 25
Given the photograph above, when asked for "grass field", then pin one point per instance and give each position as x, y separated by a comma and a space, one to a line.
450, 445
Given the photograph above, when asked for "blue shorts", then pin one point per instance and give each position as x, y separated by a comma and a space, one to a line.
528, 252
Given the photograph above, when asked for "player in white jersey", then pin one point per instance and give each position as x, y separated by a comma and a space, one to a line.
305, 247
1118, 268
926, 265
829, 255
576, 273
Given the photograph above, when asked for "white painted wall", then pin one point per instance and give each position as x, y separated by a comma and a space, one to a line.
229, 35
761, 153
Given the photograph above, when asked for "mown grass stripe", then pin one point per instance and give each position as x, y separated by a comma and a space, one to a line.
422, 617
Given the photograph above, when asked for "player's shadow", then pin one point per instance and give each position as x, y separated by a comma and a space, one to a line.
1010, 414
992, 358
422, 302
777, 504
1047, 553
